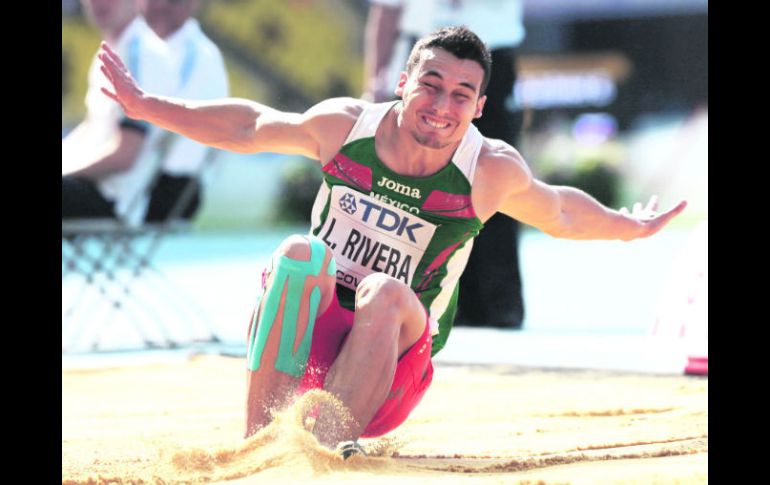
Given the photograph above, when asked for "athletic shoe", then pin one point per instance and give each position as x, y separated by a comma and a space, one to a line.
350, 448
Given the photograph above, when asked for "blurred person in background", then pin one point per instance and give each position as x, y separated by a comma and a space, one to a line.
201, 74
359, 306
491, 284
108, 160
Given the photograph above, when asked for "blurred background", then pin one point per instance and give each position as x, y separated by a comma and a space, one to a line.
614, 96
614, 93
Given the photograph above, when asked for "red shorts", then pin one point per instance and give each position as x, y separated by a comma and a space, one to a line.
414, 370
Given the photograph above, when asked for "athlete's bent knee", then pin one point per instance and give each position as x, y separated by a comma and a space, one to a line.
295, 247
382, 290
298, 262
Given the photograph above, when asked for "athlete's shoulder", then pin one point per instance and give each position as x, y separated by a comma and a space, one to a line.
501, 167
331, 120
499, 156
343, 108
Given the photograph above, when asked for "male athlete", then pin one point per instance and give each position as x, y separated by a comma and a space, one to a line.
358, 306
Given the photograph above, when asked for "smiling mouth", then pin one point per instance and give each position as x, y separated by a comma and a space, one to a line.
435, 124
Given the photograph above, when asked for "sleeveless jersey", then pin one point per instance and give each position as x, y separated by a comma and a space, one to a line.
419, 230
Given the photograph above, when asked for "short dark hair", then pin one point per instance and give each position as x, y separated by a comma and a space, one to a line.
459, 41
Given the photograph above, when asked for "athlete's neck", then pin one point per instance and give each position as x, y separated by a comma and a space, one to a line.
400, 152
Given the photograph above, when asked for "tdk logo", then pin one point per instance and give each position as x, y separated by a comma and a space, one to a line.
348, 203
388, 220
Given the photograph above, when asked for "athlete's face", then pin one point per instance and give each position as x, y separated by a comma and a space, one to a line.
441, 97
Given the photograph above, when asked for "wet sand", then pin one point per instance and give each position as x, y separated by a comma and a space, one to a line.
182, 423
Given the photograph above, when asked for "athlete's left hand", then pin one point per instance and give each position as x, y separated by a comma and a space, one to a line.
648, 220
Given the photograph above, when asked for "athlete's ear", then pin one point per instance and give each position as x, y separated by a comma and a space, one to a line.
402, 79
480, 106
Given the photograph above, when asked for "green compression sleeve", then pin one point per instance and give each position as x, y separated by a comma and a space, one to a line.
291, 274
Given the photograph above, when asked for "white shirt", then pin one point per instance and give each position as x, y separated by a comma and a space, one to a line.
148, 60
201, 74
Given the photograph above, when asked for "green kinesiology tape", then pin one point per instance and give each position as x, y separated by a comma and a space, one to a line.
291, 274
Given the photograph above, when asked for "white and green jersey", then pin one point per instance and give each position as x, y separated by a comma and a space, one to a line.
419, 230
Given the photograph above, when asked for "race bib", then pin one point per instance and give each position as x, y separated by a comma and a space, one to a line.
368, 236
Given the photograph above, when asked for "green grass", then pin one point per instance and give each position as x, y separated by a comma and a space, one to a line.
311, 44
79, 42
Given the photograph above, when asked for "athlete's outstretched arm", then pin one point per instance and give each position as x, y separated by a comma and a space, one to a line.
567, 212
231, 124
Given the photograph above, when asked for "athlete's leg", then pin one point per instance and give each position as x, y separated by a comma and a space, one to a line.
389, 319
298, 289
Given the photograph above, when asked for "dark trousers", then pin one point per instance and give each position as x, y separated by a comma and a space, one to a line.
166, 194
490, 287
81, 199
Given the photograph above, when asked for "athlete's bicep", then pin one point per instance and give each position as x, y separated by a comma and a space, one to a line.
287, 133
516, 192
312, 133
534, 203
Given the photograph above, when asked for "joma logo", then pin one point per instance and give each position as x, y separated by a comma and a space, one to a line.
400, 188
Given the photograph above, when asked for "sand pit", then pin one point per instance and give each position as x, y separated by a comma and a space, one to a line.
182, 423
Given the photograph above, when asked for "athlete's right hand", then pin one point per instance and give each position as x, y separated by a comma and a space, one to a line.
125, 91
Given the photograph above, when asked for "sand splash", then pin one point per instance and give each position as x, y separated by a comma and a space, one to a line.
150, 426
285, 444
